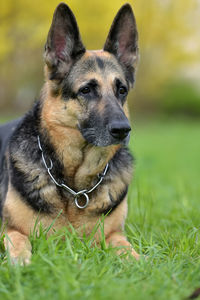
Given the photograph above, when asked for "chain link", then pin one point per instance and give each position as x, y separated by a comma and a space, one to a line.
64, 186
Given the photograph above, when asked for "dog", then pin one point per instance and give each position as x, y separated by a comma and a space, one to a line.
66, 161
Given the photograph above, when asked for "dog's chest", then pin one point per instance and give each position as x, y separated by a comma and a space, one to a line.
91, 204
67, 213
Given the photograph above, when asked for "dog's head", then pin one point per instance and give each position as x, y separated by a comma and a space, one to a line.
89, 88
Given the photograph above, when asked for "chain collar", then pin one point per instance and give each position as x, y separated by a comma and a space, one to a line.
76, 195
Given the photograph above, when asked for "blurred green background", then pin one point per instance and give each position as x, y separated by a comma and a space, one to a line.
169, 69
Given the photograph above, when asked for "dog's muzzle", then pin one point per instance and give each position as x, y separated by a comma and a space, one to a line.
120, 131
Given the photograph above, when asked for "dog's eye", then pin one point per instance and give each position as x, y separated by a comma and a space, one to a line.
122, 90
85, 90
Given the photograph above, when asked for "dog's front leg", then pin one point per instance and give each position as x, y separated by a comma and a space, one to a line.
117, 239
18, 246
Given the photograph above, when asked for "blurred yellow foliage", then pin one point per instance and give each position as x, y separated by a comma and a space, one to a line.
168, 38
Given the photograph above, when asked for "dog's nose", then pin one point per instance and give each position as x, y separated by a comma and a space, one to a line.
119, 130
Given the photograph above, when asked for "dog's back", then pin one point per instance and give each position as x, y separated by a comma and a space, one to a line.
6, 132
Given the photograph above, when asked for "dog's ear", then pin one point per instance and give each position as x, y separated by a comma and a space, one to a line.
64, 44
122, 40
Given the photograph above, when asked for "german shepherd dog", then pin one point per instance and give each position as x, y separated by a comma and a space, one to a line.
66, 161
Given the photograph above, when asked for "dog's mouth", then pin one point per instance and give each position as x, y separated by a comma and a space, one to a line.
104, 137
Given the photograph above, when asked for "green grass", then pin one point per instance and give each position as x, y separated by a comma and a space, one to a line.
163, 223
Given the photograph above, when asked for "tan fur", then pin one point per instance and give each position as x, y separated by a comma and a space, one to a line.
60, 126
25, 219
117, 239
18, 246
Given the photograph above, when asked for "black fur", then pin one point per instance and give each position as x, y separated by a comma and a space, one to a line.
23, 149
115, 202
3, 183
5, 133
100, 63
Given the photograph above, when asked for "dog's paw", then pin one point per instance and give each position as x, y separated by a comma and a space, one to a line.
23, 259
135, 254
